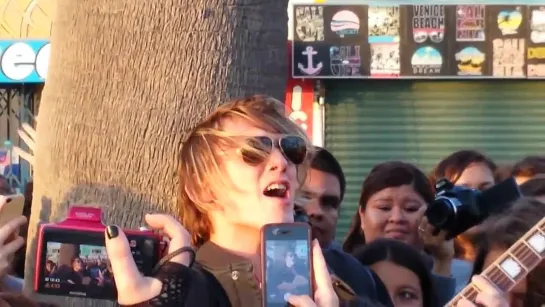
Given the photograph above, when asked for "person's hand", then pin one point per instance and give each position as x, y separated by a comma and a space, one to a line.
28, 135
10, 241
489, 296
324, 296
132, 286
435, 242
100, 278
441, 250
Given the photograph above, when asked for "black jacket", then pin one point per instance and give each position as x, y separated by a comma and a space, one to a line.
222, 279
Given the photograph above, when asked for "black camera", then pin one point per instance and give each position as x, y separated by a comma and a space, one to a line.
458, 208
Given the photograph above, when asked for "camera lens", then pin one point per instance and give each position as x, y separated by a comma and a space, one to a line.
440, 212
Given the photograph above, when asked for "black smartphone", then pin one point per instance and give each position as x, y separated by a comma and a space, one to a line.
286, 253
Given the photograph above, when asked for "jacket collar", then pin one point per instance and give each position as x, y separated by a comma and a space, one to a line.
215, 257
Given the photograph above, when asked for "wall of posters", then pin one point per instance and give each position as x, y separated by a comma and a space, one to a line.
419, 41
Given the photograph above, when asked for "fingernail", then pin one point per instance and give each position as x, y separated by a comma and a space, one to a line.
112, 232
8, 200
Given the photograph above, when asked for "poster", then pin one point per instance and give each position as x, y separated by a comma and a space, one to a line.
384, 37
507, 25
418, 41
424, 47
308, 28
310, 60
535, 54
467, 54
309, 23
345, 33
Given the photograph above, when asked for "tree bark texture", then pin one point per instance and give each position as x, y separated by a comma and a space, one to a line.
127, 79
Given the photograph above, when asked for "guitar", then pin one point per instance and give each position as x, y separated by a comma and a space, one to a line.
512, 266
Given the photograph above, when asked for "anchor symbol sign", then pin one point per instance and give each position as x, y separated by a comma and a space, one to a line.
310, 70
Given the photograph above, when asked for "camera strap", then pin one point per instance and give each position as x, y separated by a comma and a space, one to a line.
185, 249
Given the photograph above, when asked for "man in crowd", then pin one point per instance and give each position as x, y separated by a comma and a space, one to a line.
322, 195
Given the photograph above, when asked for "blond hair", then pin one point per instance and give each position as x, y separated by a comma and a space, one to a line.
200, 174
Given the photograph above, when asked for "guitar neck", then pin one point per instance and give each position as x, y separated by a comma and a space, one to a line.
512, 266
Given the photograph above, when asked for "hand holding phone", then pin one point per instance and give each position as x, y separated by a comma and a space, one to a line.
11, 219
324, 295
294, 270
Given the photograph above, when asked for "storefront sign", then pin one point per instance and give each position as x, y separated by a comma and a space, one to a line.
24, 61
418, 41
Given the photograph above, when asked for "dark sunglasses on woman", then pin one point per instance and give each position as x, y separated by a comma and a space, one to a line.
294, 148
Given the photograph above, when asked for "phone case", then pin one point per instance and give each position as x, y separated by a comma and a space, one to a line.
13, 209
264, 231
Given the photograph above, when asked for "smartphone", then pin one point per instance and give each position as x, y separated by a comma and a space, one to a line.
13, 209
286, 254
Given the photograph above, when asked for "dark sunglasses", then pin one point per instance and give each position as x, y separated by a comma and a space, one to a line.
292, 147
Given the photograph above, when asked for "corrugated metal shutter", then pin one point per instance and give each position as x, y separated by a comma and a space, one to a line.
370, 121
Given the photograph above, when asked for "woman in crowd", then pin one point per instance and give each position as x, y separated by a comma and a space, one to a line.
392, 204
403, 270
474, 170
500, 233
240, 169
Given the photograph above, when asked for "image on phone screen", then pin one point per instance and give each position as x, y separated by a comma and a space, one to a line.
287, 270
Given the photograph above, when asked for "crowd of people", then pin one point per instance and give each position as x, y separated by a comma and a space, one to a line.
80, 271
392, 256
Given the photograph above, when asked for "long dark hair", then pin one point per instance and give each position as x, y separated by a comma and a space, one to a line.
454, 165
386, 175
403, 255
502, 231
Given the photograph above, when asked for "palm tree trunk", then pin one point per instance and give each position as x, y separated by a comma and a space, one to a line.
127, 79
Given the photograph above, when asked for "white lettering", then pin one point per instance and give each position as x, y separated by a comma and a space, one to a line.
18, 61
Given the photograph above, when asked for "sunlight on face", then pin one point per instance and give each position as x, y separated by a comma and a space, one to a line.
244, 204
476, 176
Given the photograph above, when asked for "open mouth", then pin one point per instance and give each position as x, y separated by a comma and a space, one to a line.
277, 189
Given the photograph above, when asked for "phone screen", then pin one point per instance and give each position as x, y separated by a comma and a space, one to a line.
288, 263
